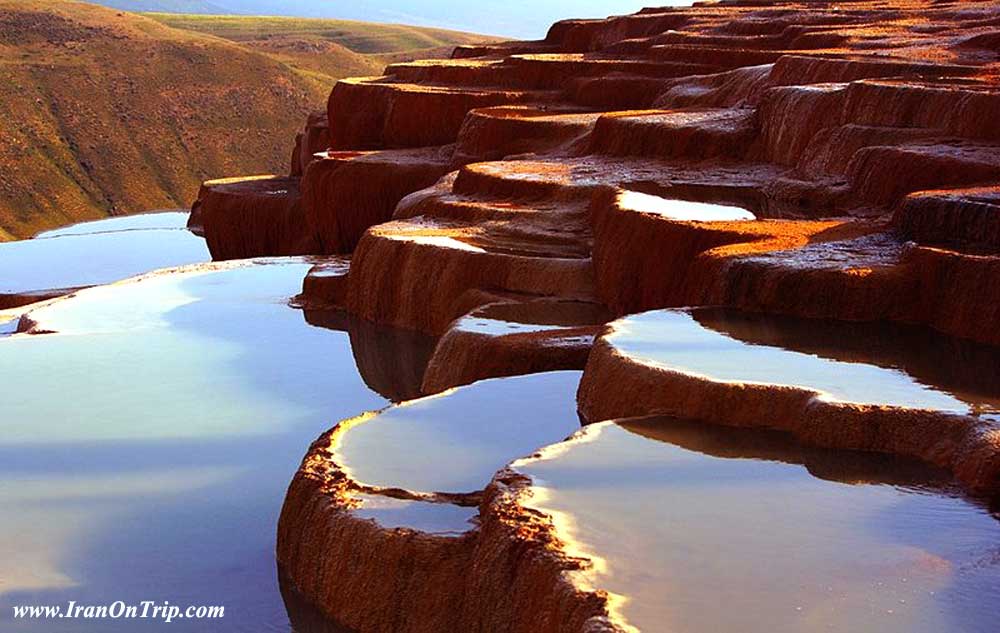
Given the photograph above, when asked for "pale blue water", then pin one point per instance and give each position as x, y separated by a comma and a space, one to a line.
147, 449
175, 220
726, 530
456, 442
148, 444
98, 253
497, 327
690, 343
7, 327
433, 518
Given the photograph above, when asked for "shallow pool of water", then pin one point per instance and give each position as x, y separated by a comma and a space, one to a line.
7, 326
391, 361
143, 221
727, 530
497, 327
444, 519
859, 363
148, 445
533, 317
455, 442
87, 255
682, 210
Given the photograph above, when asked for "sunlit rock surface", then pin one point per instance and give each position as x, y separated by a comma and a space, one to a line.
326, 283
838, 115
58, 262
513, 337
645, 524
252, 217
370, 184
425, 548
314, 139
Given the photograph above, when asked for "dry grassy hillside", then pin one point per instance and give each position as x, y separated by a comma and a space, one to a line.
325, 49
106, 112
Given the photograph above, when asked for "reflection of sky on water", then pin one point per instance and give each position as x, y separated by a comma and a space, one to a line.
433, 518
684, 531
81, 258
147, 450
7, 326
676, 340
456, 442
148, 446
143, 221
497, 327
682, 210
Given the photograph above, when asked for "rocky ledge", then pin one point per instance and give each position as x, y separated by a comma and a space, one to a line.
832, 167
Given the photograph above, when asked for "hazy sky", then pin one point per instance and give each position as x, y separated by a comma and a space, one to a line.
515, 18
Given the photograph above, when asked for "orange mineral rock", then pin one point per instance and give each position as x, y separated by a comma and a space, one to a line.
253, 217
802, 160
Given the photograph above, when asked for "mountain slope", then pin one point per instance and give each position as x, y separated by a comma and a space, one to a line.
328, 49
360, 37
513, 18
171, 6
109, 112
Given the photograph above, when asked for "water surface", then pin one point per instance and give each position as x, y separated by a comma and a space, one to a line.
682, 210
727, 530
176, 220
864, 364
443, 519
88, 255
503, 319
148, 446
456, 441
7, 326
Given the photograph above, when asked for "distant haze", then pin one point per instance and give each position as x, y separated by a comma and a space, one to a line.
528, 19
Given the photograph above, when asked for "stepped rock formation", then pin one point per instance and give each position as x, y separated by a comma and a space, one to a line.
836, 161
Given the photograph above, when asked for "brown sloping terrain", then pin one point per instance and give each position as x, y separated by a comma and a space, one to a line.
325, 50
106, 112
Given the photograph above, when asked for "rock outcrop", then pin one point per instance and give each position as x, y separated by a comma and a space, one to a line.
335, 548
800, 115
836, 161
252, 217
834, 399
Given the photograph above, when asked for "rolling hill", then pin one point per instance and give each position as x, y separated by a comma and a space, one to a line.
106, 112
169, 6
326, 48
527, 19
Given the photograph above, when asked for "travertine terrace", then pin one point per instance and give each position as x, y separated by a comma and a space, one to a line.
835, 161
